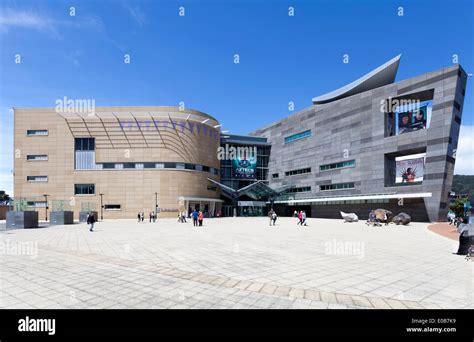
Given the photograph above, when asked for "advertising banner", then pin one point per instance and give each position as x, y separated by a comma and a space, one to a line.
244, 167
410, 170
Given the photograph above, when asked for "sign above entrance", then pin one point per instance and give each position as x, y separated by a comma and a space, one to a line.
251, 204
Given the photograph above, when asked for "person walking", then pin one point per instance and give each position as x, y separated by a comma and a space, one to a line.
139, 217
200, 218
91, 221
270, 216
183, 217
195, 214
303, 218
300, 218
142, 216
154, 216
151, 216
274, 217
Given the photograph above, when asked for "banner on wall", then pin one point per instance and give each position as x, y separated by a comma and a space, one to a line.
410, 170
245, 167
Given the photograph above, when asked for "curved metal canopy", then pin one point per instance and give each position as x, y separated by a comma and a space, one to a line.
379, 77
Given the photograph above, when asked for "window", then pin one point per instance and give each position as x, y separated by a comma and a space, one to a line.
42, 204
339, 186
298, 136
33, 157
84, 144
36, 178
170, 165
300, 189
128, 165
112, 207
84, 189
180, 166
108, 166
335, 166
298, 172
275, 175
33, 132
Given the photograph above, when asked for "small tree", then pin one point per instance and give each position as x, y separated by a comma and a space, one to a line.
458, 207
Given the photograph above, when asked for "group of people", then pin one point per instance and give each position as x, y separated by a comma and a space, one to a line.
141, 217
272, 216
198, 218
182, 217
301, 215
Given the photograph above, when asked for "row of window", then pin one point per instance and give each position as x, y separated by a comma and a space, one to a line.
298, 172
33, 157
325, 167
36, 178
339, 165
300, 189
298, 136
178, 166
33, 132
338, 186
386, 200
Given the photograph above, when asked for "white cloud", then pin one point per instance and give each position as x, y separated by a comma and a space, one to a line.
465, 153
11, 18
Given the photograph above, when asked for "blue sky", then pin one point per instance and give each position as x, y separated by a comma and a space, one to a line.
191, 58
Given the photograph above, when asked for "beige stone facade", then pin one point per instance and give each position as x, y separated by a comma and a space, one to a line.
172, 152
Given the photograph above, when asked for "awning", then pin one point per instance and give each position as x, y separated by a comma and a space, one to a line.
257, 190
360, 197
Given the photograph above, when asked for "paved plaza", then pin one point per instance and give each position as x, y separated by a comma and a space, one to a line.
232, 263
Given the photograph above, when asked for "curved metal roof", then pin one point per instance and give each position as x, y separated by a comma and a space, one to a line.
383, 75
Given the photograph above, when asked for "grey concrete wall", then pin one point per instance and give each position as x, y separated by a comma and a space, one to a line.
356, 125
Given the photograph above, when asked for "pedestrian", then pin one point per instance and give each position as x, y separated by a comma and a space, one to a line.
200, 218
183, 217
195, 215
154, 216
303, 218
295, 214
142, 216
139, 217
151, 217
270, 216
300, 218
274, 217
91, 221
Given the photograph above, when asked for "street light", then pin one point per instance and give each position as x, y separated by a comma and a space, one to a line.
101, 208
156, 203
46, 212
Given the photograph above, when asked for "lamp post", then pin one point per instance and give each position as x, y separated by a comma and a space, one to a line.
101, 207
156, 203
46, 211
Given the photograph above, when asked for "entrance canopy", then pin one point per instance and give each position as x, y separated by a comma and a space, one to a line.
257, 190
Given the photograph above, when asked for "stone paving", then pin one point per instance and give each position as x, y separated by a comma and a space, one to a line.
232, 263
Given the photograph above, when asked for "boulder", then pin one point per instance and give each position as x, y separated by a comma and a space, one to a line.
383, 215
349, 217
402, 218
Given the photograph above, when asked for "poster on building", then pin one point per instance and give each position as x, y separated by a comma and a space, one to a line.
410, 170
413, 119
245, 167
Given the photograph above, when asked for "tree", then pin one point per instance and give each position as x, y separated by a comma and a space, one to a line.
4, 197
458, 207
